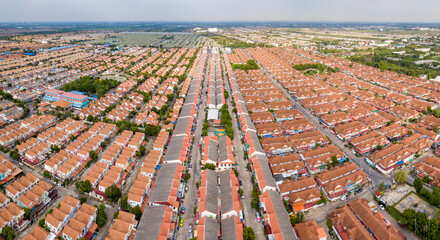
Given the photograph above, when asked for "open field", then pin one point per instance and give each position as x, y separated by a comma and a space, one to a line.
392, 197
412, 201
166, 40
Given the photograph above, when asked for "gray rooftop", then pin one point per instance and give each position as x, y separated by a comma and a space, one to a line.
182, 125
222, 149
256, 142
281, 213
211, 192
150, 223
225, 192
192, 89
267, 173
162, 187
190, 98
249, 122
228, 229
211, 228
186, 110
174, 149
213, 150
243, 107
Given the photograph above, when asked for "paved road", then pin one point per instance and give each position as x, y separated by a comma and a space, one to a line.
376, 177
191, 196
250, 219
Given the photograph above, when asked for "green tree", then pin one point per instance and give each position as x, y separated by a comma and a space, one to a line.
27, 213
83, 186
209, 166
93, 155
90, 118
432, 230
101, 215
248, 233
137, 212
112, 193
421, 221
8, 233
240, 191
142, 149
187, 177
42, 222
46, 174
82, 200
434, 199
124, 203
401, 176
408, 217
418, 184
255, 199
297, 218
335, 160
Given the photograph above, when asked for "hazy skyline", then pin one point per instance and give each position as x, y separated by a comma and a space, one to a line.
224, 10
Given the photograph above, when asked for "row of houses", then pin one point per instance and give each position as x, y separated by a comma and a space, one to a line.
123, 227
67, 163
355, 115
219, 208
218, 151
160, 215
275, 218
359, 220
216, 97
36, 150
29, 192
19, 131
115, 163
72, 220
138, 191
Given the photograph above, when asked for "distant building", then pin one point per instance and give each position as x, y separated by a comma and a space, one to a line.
212, 30
77, 100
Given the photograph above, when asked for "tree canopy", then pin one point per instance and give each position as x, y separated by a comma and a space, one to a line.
101, 216
8, 233
113, 193
83, 186
250, 65
91, 85
401, 176
248, 233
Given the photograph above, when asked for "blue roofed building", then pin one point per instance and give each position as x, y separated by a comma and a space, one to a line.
77, 100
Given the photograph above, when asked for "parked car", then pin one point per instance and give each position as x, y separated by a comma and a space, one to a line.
343, 198
190, 229
258, 217
382, 207
359, 190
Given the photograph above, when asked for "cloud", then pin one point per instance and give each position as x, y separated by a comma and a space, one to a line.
219, 10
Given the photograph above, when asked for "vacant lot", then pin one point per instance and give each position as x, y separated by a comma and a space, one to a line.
412, 201
166, 40
391, 197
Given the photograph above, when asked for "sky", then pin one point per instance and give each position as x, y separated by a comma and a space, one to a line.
220, 10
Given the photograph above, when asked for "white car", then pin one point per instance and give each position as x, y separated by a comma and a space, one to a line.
381, 207
343, 198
